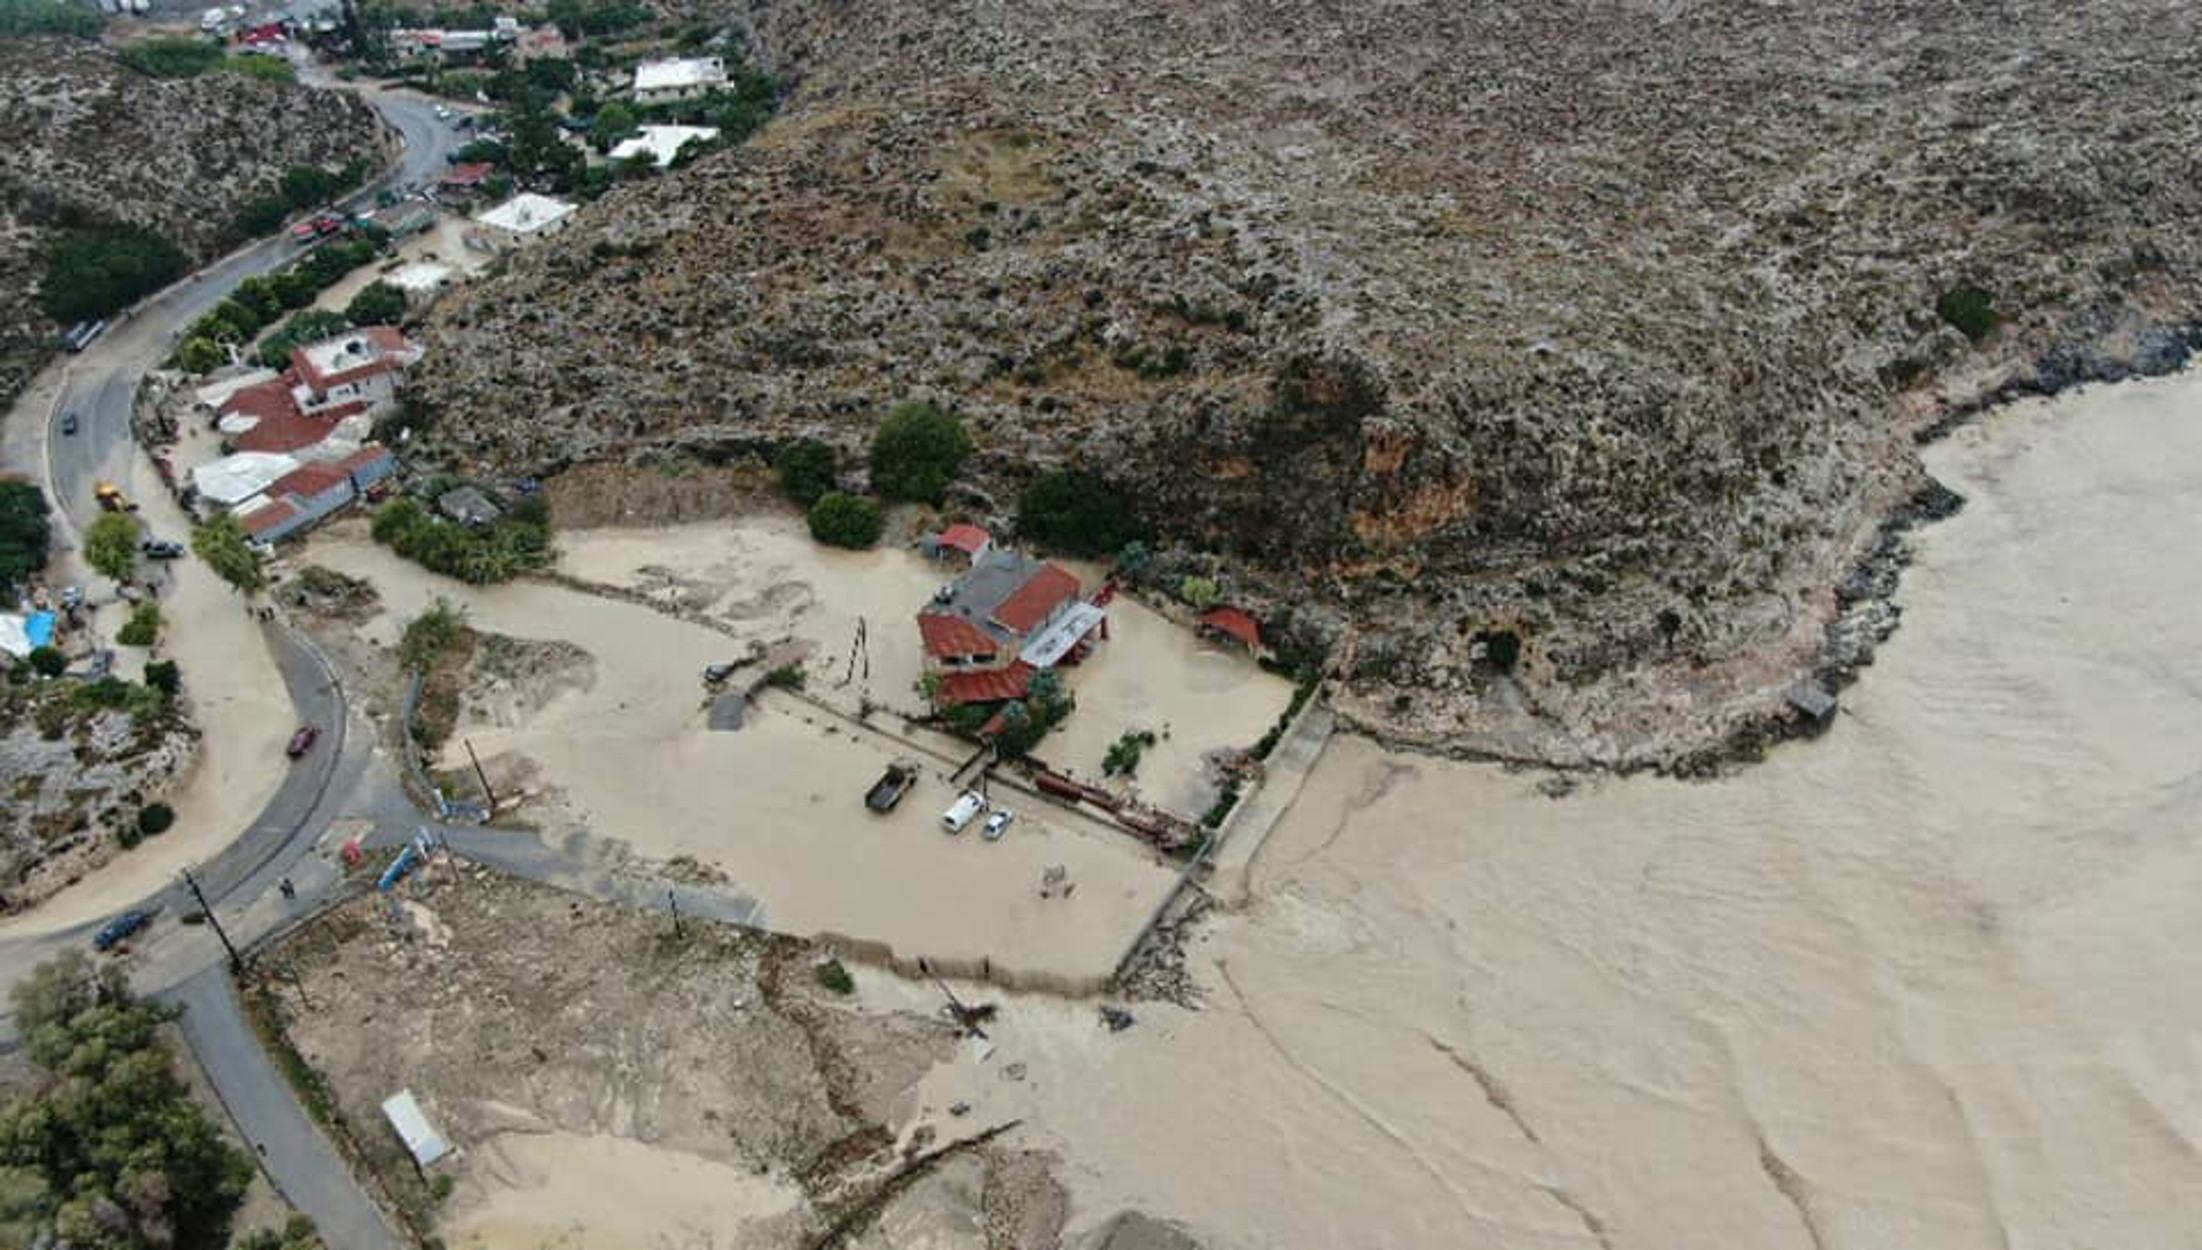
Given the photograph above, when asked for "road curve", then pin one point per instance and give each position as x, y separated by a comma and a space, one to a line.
100, 387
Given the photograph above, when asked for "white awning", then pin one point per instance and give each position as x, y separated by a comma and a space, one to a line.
405, 1115
1059, 635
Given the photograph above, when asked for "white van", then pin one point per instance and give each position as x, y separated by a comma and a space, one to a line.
965, 811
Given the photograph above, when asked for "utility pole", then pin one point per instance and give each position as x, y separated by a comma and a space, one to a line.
673, 901
236, 961
488, 795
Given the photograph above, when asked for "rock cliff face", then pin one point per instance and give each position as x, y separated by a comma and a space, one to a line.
84, 140
1603, 328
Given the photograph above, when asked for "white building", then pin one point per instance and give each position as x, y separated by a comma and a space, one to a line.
659, 82
352, 372
524, 216
662, 143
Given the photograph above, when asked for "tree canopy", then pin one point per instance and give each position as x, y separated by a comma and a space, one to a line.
377, 304
111, 546
839, 520
916, 453
805, 468
1076, 512
114, 1152
171, 56
91, 273
24, 532
47, 17
222, 543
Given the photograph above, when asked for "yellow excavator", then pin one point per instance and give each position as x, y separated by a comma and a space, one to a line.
111, 498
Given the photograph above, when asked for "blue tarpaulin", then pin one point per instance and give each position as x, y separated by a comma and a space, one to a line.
38, 629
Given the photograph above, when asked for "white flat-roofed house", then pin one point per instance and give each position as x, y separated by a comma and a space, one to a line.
661, 82
522, 217
662, 143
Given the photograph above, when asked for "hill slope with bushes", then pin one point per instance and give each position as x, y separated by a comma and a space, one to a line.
1552, 368
137, 177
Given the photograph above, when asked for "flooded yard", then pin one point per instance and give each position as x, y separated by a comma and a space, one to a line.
778, 804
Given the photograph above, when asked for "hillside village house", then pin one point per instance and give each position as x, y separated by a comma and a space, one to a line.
662, 143
661, 82
519, 219
364, 367
317, 411
1006, 618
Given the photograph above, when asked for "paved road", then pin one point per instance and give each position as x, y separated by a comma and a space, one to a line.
306, 1169
104, 379
182, 964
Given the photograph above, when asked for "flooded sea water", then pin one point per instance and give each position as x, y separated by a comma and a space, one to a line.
1933, 980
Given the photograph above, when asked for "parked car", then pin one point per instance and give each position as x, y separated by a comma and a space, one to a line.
964, 811
443, 114
115, 931
302, 741
161, 549
304, 232
997, 824
68, 423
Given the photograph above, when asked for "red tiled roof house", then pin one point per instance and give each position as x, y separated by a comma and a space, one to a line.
987, 633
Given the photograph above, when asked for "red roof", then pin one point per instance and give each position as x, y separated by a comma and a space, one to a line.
261, 520
372, 453
992, 686
953, 635
309, 480
467, 175
263, 400
1024, 610
283, 433
1234, 623
968, 539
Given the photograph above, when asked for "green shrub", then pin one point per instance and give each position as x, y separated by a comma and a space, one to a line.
1075, 512
836, 978
839, 520
266, 68
916, 453
155, 819
1123, 754
1971, 310
143, 626
162, 675
200, 355
171, 57
377, 304
92, 273
48, 661
513, 544
430, 634
1200, 592
785, 677
805, 468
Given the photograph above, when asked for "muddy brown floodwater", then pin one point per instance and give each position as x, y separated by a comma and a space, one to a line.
1934, 980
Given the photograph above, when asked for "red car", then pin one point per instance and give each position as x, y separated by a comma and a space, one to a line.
302, 741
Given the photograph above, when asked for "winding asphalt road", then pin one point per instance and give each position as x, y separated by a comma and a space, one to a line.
182, 964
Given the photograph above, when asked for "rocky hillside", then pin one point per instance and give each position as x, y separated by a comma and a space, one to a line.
1603, 329
81, 763
86, 141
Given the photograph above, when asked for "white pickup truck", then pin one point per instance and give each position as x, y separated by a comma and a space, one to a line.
963, 811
